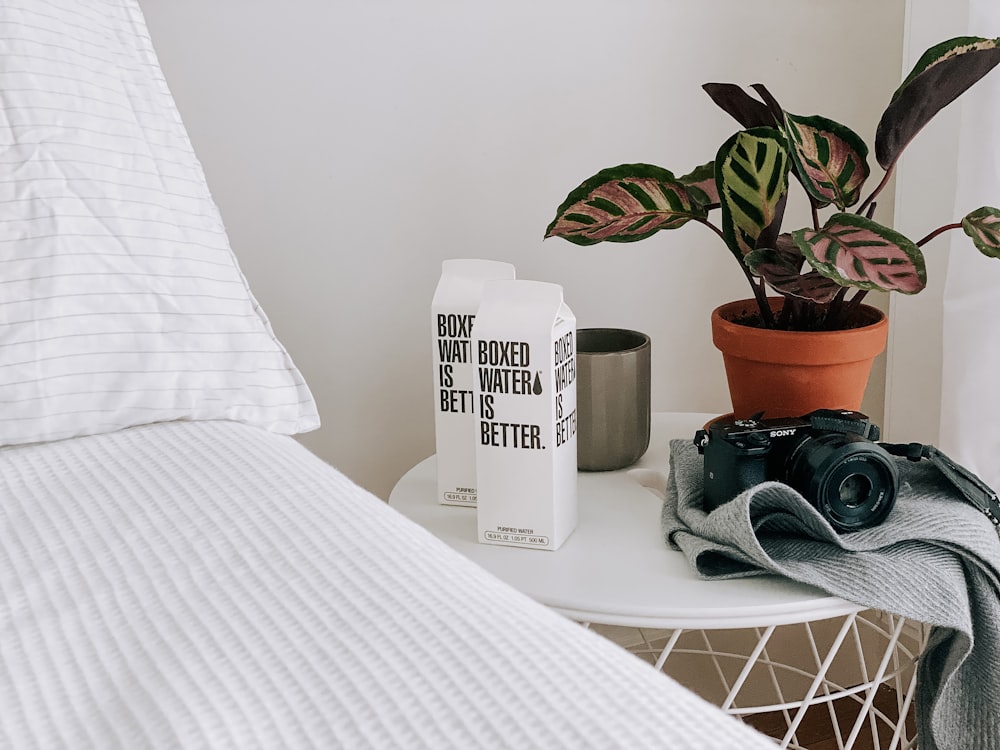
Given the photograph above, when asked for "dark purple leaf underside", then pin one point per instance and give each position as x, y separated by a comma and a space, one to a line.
830, 159
983, 226
856, 251
781, 268
747, 111
942, 74
624, 204
811, 286
777, 112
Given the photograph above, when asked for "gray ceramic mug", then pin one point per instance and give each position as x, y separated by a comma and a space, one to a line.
612, 397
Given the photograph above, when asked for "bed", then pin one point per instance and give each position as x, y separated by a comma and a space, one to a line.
176, 570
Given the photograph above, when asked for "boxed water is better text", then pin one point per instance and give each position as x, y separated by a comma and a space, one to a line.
453, 314
524, 349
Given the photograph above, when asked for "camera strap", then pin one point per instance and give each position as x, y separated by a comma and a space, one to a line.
973, 489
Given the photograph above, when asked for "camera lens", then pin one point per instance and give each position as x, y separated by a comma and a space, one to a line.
849, 479
854, 490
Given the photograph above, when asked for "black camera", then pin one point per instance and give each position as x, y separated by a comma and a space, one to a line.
829, 456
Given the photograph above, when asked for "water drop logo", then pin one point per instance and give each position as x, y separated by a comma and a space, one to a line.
536, 387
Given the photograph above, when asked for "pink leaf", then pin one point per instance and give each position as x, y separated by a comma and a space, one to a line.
856, 251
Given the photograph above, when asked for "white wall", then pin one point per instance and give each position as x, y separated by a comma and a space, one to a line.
928, 179
925, 189
354, 146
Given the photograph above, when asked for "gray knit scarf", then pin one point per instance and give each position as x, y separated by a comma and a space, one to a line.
935, 559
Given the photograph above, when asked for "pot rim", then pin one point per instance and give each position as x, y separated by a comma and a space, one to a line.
768, 344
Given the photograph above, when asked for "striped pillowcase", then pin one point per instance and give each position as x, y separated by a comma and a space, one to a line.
121, 302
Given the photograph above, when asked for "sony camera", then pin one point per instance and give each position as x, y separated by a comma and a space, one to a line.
829, 456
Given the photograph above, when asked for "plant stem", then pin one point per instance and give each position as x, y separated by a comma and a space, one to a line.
760, 296
835, 313
787, 310
936, 232
758, 290
878, 189
854, 303
714, 228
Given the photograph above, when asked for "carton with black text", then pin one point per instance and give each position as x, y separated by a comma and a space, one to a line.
525, 355
453, 311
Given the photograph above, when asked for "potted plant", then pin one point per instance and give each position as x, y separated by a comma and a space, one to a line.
819, 273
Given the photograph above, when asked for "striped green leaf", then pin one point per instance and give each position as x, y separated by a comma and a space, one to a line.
983, 226
856, 251
830, 159
752, 178
624, 204
700, 182
941, 75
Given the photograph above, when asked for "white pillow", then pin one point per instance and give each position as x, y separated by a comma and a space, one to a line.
121, 302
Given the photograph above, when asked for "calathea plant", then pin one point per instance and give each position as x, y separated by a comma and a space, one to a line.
814, 267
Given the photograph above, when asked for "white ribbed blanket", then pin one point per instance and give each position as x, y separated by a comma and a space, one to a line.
211, 584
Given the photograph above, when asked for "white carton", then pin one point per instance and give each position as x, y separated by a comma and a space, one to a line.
453, 312
525, 388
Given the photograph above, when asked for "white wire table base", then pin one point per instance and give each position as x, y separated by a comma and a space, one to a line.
863, 662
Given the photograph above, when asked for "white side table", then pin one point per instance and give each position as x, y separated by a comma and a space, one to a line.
616, 569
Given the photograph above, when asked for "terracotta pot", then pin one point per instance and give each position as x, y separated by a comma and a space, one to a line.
790, 373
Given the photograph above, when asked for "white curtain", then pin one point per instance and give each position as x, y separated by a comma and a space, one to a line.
970, 398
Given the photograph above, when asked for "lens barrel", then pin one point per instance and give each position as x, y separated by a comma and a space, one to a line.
849, 479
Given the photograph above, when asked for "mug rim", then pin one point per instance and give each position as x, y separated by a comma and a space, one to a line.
640, 340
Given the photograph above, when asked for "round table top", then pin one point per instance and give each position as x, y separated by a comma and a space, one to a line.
616, 568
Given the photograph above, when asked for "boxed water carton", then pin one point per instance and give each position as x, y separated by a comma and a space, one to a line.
453, 311
525, 388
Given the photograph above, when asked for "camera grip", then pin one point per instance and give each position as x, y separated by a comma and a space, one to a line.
729, 472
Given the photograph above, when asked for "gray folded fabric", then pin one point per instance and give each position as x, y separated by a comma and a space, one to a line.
935, 559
